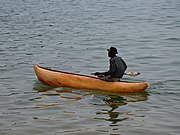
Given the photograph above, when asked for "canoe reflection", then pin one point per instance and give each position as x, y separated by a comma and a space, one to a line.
107, 105
112, 98
115, 101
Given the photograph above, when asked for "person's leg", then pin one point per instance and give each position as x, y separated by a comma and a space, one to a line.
108, 78
115, 79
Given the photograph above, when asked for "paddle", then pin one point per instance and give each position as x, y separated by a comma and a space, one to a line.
129, 73
132, 73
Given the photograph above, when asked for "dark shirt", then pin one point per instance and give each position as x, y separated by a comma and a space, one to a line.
117, 67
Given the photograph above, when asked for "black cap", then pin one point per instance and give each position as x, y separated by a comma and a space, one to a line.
113, 50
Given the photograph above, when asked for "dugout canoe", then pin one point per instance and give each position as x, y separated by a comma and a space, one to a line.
65, 79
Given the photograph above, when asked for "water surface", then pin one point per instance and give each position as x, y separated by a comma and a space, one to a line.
73, 35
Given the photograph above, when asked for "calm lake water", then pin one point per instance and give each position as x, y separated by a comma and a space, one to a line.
73, 35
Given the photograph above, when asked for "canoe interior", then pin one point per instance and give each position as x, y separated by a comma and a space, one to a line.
47, 68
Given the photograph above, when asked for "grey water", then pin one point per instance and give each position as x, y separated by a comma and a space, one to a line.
73, 35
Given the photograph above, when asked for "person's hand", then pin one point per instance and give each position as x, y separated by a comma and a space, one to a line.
97, 73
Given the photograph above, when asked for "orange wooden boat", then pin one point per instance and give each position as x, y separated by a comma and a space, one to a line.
78, 81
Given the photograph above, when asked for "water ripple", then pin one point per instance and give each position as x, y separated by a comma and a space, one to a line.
73, 36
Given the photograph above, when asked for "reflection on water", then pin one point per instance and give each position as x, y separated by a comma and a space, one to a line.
108, 103
115, 102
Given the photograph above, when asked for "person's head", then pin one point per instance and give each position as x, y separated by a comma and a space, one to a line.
112, 51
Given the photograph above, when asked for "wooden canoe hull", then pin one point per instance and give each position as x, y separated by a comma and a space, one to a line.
65, 79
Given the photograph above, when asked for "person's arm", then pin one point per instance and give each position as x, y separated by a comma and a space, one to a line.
98, 73
111, 70
124, 63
